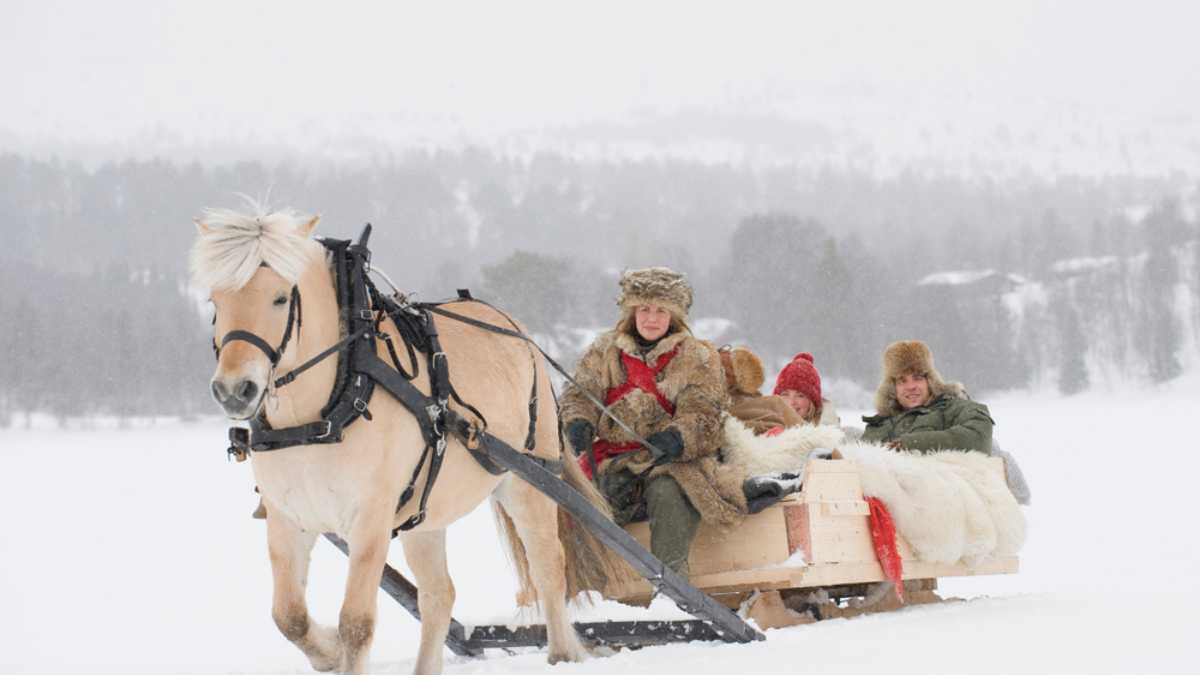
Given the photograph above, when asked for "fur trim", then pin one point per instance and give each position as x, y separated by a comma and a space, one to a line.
950, 506
902, 358
744, 373
911, 356
655, 285
628, 344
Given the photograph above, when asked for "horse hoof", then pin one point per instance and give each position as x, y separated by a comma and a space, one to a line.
567, 658
323, 666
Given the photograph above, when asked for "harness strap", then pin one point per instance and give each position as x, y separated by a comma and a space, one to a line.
264, 439
247, 336
604, 411
337, 347
435, 422
351, 393
359, 369
273, 353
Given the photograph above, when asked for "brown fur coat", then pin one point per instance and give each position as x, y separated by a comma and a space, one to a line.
695, 383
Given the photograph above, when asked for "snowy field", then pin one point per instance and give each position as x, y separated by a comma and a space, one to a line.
132, 551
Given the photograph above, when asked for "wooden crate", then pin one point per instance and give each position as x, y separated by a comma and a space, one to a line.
827, 523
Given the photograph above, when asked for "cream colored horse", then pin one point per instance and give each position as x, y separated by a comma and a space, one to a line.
250, 264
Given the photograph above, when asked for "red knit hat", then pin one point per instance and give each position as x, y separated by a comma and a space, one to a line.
802, 376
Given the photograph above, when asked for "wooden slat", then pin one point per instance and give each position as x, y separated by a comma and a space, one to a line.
761, 541
829, 487
845, 507
847, 573
796, 522
842, 545
813, 576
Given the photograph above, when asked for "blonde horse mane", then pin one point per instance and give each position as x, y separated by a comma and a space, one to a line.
232, 245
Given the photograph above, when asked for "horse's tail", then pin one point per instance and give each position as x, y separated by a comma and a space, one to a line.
526, 593
591, 566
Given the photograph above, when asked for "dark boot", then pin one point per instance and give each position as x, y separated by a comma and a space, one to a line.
673, 523
624, 490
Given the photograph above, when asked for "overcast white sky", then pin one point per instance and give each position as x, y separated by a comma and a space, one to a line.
108, 71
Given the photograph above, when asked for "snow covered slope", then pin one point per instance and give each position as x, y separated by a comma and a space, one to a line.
132, 551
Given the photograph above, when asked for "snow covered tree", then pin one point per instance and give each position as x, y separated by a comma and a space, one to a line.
1073, 374
536, 289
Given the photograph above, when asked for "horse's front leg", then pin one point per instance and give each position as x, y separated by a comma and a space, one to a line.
290, 549
425, 553
368, 540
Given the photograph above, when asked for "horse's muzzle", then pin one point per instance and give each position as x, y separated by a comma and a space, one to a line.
239, 399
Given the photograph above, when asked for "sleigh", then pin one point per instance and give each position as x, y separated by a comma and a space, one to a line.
809, 557
806, 558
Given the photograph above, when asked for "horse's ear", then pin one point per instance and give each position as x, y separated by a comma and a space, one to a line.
201, 227
307, 229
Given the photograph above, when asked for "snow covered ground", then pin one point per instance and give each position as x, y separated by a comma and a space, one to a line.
132, 551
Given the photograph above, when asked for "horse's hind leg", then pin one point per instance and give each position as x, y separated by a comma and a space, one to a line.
290, 549
535, 518
425, 553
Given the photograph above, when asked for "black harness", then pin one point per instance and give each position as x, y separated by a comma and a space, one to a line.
362, 309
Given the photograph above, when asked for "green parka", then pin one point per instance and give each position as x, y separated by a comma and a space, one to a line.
950, 421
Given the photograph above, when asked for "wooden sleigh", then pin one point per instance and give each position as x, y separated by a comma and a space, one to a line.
808, 557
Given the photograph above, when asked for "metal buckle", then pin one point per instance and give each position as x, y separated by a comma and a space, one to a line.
360, 405
239, 444
328, 430
366, 315
434, 413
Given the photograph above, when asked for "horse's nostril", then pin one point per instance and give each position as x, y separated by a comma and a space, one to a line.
219, 392
247, 390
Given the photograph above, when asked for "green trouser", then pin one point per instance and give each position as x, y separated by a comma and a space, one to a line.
673, 519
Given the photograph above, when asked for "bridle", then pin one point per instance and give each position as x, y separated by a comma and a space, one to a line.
274, 354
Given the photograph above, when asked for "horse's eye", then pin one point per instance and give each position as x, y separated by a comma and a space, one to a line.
281, 300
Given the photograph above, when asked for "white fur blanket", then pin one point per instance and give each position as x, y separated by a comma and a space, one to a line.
788, 451
950, 506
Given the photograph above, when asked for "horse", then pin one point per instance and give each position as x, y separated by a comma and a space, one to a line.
257, 267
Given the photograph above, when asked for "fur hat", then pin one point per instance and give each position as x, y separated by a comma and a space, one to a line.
802, 376
904, 358
744, 373
655, 285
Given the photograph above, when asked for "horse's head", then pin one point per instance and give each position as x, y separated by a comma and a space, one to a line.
252, 265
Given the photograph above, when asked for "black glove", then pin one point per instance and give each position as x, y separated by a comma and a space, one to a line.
579, 434
763, 491
665, 446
